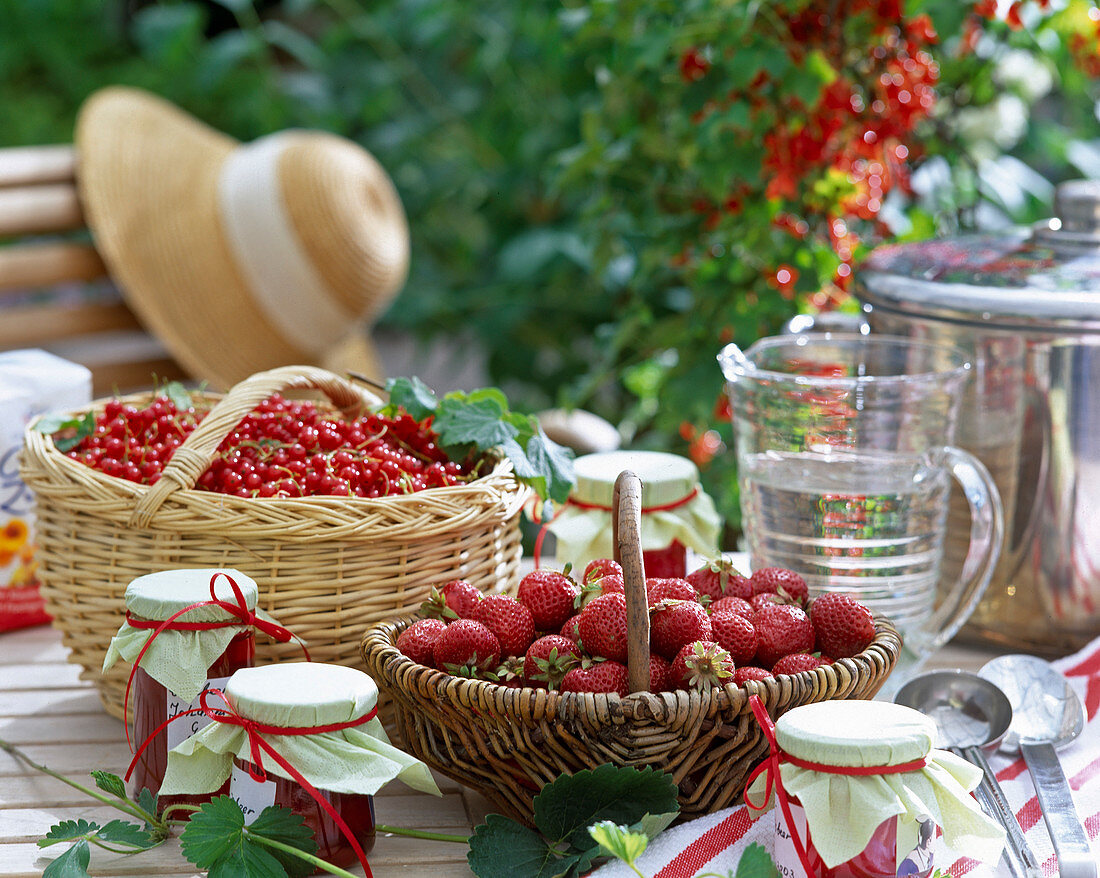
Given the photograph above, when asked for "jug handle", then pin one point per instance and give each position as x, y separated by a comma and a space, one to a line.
986, 538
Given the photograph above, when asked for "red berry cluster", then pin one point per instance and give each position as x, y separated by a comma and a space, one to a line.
712, 628
281, 449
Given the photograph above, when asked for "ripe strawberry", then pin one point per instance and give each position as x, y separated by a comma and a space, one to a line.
418, 640
668, 589
509, 620
719, 579
750, 672
452, 600
550, 596
602, 626
548, 659
796, 662
659, 680
738, 605
735, 634
570, 629
597, 568
701, 665
785, 583
782, 629
759, 601
675, 623
606, 676
466, 648
844, 626
612, 583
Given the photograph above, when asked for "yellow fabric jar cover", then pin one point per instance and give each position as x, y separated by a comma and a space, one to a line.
668, 480
843, 811
298, 695
178, 660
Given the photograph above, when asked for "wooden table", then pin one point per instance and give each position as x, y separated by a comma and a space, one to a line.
57, 720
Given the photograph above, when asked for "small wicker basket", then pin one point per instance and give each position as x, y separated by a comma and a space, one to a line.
506, 743
326, 566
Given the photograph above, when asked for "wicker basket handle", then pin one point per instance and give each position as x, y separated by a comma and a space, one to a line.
626, 525
195, 454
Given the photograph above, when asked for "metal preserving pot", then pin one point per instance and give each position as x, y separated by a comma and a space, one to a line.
1027, 306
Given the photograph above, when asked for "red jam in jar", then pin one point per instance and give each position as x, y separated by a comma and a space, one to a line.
355, 809
154, 704
879, 859
667, 563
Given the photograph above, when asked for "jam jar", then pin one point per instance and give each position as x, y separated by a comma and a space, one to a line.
677, 516
859, 792
180, 661
300, 725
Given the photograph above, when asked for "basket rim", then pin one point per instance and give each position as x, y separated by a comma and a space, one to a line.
379, 643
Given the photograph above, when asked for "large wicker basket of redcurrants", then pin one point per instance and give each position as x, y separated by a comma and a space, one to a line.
504, 694
342, 508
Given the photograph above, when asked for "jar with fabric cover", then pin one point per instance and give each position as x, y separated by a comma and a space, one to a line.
677, 516
301, 735
861, 792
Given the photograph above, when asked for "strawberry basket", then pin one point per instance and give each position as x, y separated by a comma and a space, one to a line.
507, 742
326, 566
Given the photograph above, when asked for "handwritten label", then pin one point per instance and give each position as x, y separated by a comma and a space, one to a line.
785, 855
182, 729
253, 796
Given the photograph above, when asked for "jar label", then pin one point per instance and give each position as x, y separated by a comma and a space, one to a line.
912, 859
179, 731
252, 795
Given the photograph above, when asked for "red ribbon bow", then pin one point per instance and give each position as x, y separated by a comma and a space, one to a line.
242, 616
773, 780
258, 747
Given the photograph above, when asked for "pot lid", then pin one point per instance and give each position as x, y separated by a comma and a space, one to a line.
1047, 277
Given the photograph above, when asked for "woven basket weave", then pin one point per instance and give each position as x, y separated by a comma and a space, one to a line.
506, 743
327, 567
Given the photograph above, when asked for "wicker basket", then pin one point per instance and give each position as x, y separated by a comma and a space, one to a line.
326, 566
506, 743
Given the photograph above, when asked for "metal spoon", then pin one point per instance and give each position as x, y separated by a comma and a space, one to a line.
1047, 713
972, 715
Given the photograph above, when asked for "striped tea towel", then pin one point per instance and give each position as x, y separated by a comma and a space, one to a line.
714, 843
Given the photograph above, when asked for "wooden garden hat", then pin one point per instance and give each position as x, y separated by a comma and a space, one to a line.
240, 257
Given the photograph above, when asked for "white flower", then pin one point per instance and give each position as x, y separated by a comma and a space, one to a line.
1023, 73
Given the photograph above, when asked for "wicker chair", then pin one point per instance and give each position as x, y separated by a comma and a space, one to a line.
54, 290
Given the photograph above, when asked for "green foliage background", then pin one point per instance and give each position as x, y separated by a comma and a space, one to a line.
535, 145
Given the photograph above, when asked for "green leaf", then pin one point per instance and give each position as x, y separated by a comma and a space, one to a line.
110, 783
283, 825
179, 395
566, 808
68, 830
58, 423
413, 395
618, 841
124, 832
217, 840
213, 832
502, 848
755, 862
71, 864
554, 463
147, 801
481, 423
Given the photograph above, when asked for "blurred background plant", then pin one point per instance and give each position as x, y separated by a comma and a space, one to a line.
601, 194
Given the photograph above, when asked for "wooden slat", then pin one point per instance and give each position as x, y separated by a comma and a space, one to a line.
30, 266
20, 165
130, 377
15, 677
26, 210
31, 326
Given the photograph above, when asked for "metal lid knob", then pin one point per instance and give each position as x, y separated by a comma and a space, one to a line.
1076, 221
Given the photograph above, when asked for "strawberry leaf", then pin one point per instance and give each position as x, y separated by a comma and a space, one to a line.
618, 841
217, 840
129, 834
413, 395
566, 808
68, 830
755, 862
71, 864
502, 848
110, 783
